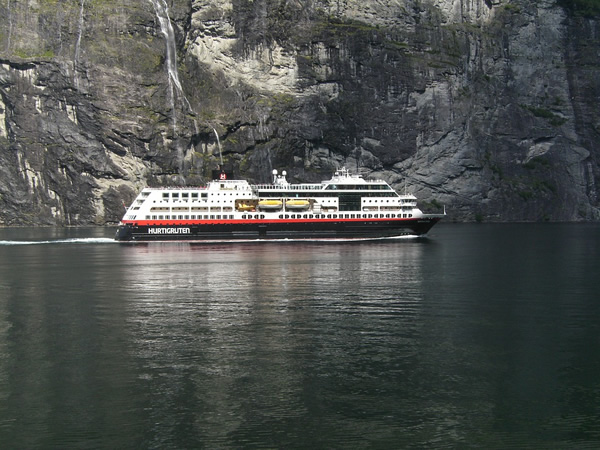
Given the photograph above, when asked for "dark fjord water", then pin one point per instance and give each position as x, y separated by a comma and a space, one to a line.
480, 336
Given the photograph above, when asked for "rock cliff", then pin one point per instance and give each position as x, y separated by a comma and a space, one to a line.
489, 107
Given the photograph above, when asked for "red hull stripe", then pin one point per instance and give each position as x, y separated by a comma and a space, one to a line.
277, 221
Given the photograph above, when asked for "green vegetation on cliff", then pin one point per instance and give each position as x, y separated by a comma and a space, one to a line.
588, 8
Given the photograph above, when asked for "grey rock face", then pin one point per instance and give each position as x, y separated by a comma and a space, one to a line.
487, 107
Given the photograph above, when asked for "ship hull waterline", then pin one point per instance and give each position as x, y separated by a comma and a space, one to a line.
273, 229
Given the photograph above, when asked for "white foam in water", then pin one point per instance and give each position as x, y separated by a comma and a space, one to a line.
62, 241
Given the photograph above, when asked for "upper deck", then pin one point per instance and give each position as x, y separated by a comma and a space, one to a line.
342, 180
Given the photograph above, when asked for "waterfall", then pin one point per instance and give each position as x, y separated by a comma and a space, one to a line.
175, 88
219, 145
78, 45
162, 14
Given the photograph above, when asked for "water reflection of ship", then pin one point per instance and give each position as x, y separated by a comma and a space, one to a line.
257, 314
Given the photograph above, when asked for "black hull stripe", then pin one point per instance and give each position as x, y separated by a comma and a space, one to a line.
272, 229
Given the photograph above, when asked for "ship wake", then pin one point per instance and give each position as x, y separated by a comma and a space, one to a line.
62, 241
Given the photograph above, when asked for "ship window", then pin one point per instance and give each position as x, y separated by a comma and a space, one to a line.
165, 195
147, 217
185, 195
281, 216
212, 216
194, 195
410, 215
204, 195
287, 216
329, 216
153, 217
175, 194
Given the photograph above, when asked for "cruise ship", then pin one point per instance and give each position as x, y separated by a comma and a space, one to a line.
347, 206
